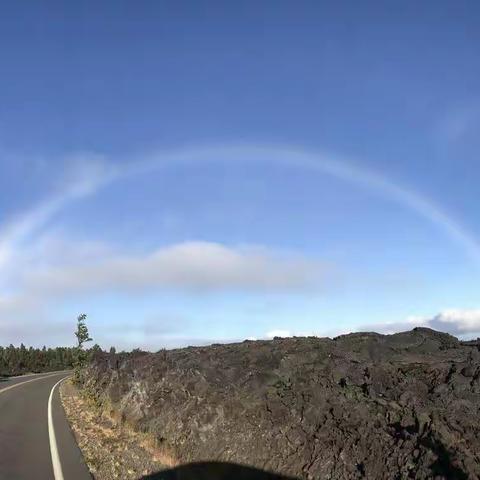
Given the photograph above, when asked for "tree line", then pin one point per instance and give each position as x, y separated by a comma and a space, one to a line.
21, 360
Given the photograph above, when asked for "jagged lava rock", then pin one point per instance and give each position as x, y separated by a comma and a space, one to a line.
362, 405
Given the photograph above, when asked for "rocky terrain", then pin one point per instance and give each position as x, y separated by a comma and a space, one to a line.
358, 406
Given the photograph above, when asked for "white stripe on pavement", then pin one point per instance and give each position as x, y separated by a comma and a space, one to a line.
57, 465
15, 385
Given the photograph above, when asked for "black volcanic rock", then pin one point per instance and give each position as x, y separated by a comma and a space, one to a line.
358, 406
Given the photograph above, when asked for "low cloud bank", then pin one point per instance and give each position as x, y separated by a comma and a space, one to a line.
458, 322
190, 266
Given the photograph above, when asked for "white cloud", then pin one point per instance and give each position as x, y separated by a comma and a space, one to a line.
459, 322
190, 266
454, 321
278, 333
321, 333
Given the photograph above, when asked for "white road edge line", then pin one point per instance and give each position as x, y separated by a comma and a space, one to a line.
36, 374
57, 465
15, 385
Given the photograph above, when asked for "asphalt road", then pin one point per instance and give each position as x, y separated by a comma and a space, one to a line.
26, 442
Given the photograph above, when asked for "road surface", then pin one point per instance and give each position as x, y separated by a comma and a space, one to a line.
32, 445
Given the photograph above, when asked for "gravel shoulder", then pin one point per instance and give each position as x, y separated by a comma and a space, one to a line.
111, 449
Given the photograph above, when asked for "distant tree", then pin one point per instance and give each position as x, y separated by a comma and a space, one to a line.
94, 350
80, 354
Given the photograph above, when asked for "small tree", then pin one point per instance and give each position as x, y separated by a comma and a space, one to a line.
82, 331
80, 354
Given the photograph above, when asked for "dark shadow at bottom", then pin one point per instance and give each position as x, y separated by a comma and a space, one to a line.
214, 471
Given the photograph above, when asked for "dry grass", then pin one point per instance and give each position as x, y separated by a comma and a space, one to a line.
112, 449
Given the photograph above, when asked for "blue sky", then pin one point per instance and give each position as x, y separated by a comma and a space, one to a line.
189, 172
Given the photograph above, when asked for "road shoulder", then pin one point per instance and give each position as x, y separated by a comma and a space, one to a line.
111, 450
